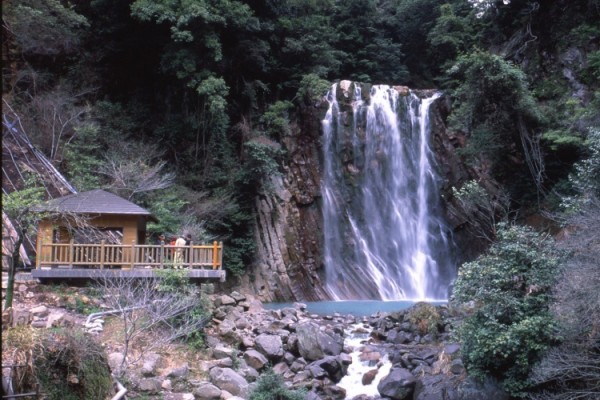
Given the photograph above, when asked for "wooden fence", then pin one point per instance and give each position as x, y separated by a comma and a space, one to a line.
102, 255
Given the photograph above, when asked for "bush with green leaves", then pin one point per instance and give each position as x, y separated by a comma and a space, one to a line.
509, 288
313, 88
270, 386
585, 179
70, 365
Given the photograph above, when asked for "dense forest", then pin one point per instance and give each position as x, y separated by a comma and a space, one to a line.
181, 107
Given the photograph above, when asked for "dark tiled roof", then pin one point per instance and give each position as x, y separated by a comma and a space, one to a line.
93, 202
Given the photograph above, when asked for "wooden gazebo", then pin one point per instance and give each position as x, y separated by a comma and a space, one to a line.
97, 233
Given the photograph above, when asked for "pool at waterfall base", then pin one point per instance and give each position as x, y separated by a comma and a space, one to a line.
357, 308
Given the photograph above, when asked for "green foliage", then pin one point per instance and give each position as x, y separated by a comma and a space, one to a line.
176, 281
276, 119
70, 365
425, 317
585, 179
168, 207
483, 209
241, 249
559, 138
44, 27
492, 103
451, 35
313, 88
489, 91
214, 91
591, 73
17, 205
270, 386
173, 280
262, 155
509, 288
82, 158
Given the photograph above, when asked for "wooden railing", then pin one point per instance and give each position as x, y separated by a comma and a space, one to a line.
102, 255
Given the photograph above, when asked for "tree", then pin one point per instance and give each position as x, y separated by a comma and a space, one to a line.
482, 208
493, 105
509, 288
134, 169
168, 307
17, 206
572, 369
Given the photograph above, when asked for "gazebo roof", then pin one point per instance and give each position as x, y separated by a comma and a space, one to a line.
95, 201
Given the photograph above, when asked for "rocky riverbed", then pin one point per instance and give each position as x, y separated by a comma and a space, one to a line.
409, 353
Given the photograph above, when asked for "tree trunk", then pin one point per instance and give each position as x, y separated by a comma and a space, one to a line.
12, 268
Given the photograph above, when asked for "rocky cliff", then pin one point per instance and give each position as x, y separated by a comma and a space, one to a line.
289, 264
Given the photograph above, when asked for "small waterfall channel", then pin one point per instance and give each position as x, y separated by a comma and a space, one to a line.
352, 382
384, 235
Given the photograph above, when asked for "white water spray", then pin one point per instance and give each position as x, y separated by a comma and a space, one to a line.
384, 235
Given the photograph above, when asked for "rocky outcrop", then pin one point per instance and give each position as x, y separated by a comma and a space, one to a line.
289, 264
289, 223
306, 350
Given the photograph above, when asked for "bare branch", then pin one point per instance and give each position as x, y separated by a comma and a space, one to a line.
146, 307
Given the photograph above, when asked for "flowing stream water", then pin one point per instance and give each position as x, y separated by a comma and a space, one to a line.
352, 382
384, 235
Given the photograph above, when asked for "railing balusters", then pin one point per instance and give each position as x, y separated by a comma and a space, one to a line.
104, 255
71, 253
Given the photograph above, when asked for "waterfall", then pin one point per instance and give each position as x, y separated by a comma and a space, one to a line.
384, 235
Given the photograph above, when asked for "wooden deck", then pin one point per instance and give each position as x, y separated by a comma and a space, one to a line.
87, 273
71, 260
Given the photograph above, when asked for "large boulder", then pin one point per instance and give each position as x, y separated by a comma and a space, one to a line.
229, 380
207, 391
255, 359
398, 385
315, 343
269, 345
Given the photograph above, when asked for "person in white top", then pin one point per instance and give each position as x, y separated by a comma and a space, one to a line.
180, 243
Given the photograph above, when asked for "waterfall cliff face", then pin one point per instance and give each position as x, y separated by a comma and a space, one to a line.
384, 231
329, 224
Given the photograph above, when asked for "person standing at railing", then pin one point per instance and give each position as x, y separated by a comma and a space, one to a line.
180, 245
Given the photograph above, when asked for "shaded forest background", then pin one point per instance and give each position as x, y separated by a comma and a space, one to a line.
182, 107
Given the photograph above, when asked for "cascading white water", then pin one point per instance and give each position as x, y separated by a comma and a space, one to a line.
384, 235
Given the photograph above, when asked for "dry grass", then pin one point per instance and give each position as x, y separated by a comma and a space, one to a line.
18, 345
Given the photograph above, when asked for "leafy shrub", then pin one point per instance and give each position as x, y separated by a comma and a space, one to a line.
511, 324
270, 386
425, 317
585, 180
70, 365
313, 88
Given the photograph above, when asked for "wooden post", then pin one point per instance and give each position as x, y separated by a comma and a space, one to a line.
39, 248
221, 255
162, 255
102, 254
133, 254
215, 255
191, 255
71, 253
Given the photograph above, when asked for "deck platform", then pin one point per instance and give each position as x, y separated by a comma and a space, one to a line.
90, 273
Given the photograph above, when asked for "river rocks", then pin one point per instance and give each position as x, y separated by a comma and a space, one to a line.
270, 346
151, 360
398, 385
255, 359
229, 380
207, 391
315, 342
